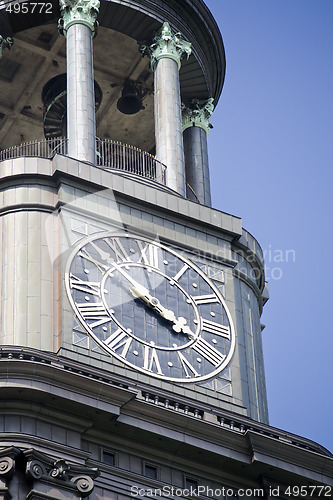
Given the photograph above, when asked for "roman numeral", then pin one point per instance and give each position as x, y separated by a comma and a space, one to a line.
119, 251
208, 352
150, 358
205, 299
181, 272
91, 287
216, 328
94, 312
86, 255
187, 365
117, 340
148, 254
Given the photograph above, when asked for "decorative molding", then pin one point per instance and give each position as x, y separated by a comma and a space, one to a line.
7, 469
74, 477
5, 42
78, 12
7, 462
198, 114
166, 44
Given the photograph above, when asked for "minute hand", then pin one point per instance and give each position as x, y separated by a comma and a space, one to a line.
140, 289
141, 292
155, 304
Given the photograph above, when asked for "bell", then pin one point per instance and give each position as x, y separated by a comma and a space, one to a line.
129, 103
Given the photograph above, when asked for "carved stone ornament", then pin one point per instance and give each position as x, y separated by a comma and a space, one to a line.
166, 44
5, 42
61, 473
7, 462
7, 470
78, 12
198, 114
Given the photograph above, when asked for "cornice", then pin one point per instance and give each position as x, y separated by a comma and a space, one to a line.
201, 420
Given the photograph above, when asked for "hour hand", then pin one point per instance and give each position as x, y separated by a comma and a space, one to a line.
181, 326
140, 292
143, 294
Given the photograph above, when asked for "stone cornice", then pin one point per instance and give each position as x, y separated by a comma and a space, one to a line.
41, 468
244, 445
133, 402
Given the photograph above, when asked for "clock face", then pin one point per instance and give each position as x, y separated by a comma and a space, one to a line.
151, 308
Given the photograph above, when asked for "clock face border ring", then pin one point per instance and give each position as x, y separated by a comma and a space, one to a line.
147, 240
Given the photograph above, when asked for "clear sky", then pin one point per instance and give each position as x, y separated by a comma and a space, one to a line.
271, 161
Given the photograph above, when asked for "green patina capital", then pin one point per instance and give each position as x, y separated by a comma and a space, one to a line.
166, 44
5, 42
78, 12
198, 114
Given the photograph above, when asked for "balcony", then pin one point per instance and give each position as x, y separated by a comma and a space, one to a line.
109, 155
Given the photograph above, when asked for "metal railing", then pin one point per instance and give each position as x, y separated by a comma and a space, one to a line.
45, 148
109, 154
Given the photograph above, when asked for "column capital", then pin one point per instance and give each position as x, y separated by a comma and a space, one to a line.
59, 473
5, 42
198, 114
166, 44
78, 12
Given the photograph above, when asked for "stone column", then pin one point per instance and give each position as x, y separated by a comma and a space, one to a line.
78, 24
5, 42
195, 131
166, 52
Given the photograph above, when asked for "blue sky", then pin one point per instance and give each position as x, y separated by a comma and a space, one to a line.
271, 162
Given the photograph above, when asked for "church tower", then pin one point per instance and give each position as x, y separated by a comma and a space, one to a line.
130, 331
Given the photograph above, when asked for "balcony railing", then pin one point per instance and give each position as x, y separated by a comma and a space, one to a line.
109, 155
45, 148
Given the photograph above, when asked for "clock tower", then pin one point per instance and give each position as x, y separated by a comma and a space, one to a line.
129, 307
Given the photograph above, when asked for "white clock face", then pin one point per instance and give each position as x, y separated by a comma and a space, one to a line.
151, 308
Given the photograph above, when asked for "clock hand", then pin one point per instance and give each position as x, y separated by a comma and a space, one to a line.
138, 289
142, 293
181, 326
154, 303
